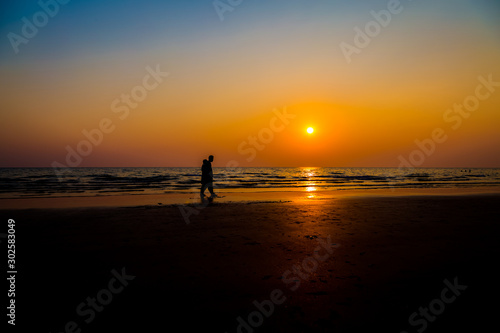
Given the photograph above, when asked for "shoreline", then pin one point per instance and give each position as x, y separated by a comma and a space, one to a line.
230, 196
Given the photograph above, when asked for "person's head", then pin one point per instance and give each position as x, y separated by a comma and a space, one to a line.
211, 158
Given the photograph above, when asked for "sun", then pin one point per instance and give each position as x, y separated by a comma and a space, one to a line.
310, 130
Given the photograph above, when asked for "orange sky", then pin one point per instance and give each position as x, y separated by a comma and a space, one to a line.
224, 84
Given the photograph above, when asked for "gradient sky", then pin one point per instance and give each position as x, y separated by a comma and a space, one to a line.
226, 78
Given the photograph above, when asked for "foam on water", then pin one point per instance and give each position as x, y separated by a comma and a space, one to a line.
43, 182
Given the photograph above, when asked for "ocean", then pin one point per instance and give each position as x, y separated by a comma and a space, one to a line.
44, 182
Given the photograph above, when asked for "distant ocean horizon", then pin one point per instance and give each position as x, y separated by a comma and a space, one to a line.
44, 182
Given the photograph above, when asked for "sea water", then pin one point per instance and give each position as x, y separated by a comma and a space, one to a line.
44, 182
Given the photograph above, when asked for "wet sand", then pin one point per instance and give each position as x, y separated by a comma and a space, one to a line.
228, 196
207, 268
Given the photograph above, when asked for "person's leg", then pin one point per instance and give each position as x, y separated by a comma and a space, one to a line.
202, 190
210, 186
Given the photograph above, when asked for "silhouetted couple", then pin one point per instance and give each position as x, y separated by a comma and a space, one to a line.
207, 178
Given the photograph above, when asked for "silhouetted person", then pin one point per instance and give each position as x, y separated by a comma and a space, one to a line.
207, 177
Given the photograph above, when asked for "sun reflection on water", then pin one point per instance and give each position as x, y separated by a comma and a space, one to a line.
310, 185
310, 189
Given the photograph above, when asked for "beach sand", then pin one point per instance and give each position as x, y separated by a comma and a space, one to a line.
203, 268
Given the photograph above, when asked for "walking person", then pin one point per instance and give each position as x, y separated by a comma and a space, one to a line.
207, 178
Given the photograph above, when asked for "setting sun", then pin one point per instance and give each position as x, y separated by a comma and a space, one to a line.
310, 130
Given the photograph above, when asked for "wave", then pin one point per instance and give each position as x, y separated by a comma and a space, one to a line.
20, 182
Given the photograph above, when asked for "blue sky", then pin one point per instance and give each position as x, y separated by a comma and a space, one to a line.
98, 26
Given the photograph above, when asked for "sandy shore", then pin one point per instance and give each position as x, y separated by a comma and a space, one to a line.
329, 264
229, 196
